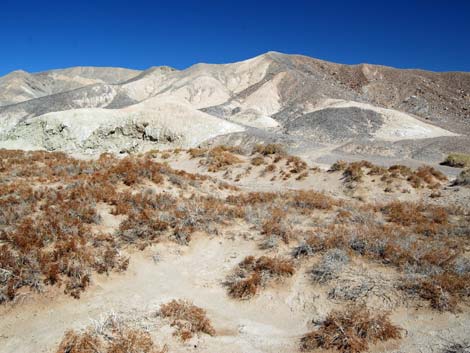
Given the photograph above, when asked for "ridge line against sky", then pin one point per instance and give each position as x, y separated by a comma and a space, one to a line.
39, 36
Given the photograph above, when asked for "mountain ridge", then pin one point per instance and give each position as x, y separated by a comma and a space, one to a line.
274, 93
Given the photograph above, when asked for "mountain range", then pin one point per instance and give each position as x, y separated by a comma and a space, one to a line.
319, 109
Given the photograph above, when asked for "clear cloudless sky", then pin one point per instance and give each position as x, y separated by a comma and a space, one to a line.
46, 34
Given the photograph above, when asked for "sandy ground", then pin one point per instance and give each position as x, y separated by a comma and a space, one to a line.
271, 322
268, 323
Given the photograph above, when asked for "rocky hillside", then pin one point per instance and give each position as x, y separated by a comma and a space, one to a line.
311, 104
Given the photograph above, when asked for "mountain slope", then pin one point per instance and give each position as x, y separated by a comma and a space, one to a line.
20, 86
280, 96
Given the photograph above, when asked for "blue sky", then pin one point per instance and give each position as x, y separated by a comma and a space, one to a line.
41, 35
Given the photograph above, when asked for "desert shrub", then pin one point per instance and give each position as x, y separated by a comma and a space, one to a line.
427, 290
310, 200
187, 318
197, 152
269, 149
74, 342
463, 178
302, 176
330, 265
166, 155
296, 164
397, 170
277, 225
351, 331
338, 166
404, 213
354, 172
48, 234
428, 174
415, 181
141, 226
245, 287
219, 158
252, 198
113, 337
257, 161
315, 243
457, 160
442, 291
150, 215
270, 242
274, 267
462, 266
133, 341
270, 168
424, 219
133, 171
377, 170
252, 274
303, 250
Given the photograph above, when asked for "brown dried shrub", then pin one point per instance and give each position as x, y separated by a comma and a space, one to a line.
252, 274
277, 225
338, 166
245, 288
47, 231
351, 331
133, 341
270, 168
74, 342
296, 164
424, 219
354, 172
310, 200
397, 170
252, 198
220, 157
257, 161
302, 176
187, 318
127, 340
442, 291
197, 152
269, 149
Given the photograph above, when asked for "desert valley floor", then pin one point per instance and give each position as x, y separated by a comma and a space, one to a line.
223, 250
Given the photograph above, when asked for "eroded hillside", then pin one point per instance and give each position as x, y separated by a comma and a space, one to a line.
333, 111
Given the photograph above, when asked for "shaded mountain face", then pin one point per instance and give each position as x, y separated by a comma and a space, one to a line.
272, 97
